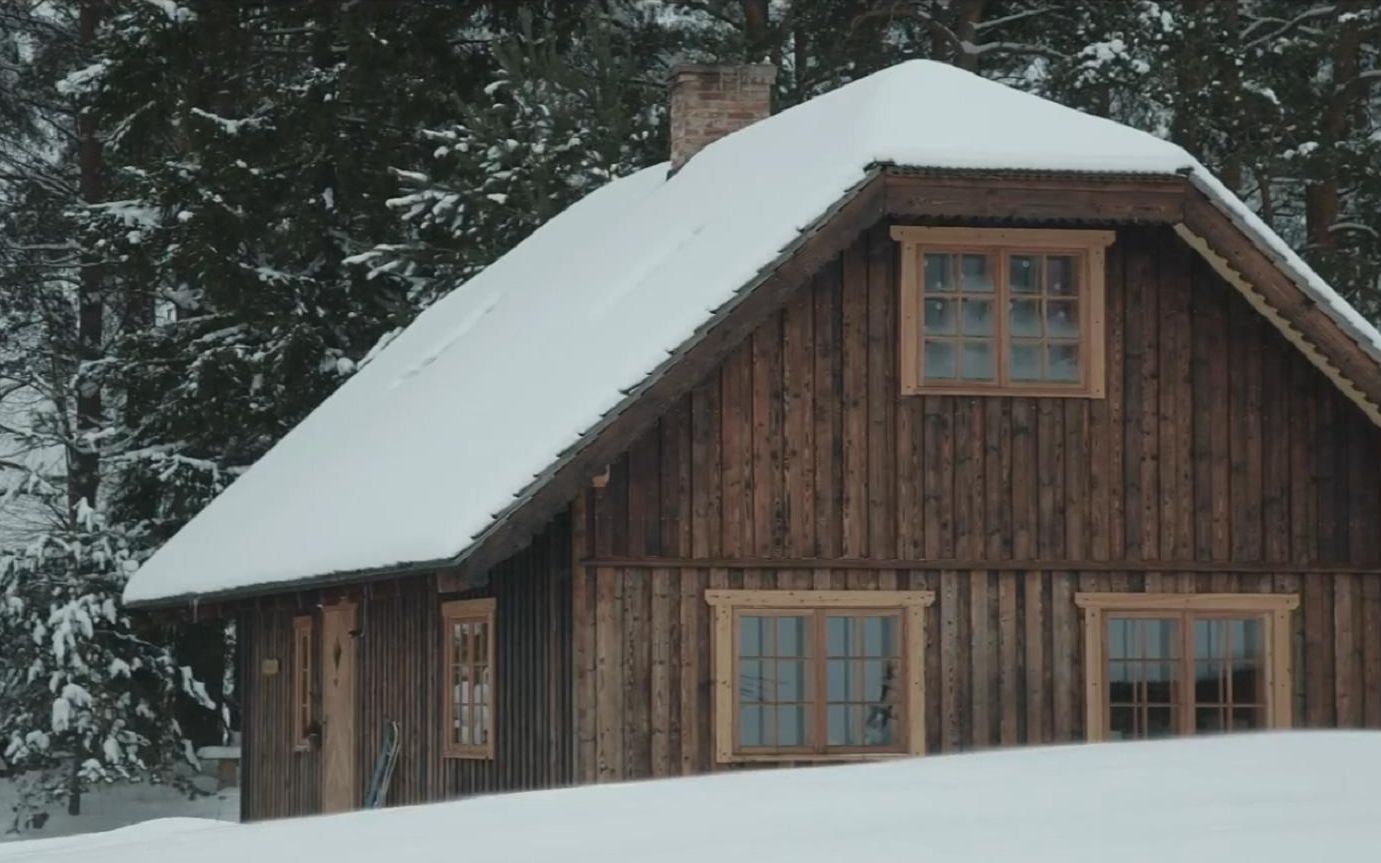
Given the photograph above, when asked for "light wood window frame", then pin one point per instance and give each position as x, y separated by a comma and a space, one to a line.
453, 613
303, 679
1087, 247
1272, 609
726, 605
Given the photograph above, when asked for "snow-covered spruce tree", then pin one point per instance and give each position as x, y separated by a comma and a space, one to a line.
87, 698
561, 116
86, 693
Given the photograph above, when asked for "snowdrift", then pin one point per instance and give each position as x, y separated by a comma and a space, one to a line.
1268, 797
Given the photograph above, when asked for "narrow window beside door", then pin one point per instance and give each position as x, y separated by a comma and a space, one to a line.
303, 673
1167, 664
817, 675
468, 645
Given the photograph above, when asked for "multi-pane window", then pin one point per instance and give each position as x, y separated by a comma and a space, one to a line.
1162, 665
998, 310
303, 670
805, 675
468, 644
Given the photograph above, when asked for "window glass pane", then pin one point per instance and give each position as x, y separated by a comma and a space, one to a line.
1247, 635
978, 317
1023, 274
1159, 685
939, 359
750, 680
839, 634
837, 681
1025, 361
1248, 662
1208, 683
750, 726
1248, 718
938, 273
1122, 682
879, 636
481, 636
749, 635
1208, 638
1118, 630
1025, 320
791, 636
1122, 723
1062, 319
791, 725
837, 726
1059, 276
940, 317
880, 725
1160, 721
1160, 638
1208, 719
791, 676
977, 361
1062, 362
977, 274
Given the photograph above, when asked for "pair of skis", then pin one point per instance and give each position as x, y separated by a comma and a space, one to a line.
377, 793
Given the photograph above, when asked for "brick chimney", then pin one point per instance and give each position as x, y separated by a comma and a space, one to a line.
709, 102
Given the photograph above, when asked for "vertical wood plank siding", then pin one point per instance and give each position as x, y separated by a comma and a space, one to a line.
399, 661
1217, 442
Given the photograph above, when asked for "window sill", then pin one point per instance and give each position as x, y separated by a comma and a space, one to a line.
812, 757
1008, 392
468, 755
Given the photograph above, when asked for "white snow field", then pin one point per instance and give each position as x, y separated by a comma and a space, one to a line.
1265, 798
416, 456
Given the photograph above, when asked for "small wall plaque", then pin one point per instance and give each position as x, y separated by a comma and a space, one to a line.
269, 667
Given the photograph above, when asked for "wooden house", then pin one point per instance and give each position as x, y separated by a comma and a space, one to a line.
926, 416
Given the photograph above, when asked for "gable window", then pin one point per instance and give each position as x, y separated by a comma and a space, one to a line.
1168, 664
987, 311
817, 675
302, 676
468, 643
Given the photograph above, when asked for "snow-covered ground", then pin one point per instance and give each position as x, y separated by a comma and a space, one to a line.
117, 806
1264, 798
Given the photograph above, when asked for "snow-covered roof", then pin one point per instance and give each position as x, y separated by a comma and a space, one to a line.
416, 455
1259, 797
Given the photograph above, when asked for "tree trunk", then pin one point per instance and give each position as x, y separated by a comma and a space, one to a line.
757, 32
968, 14
74, 786
1321, 198
84, 477
1230, 74
1187, 125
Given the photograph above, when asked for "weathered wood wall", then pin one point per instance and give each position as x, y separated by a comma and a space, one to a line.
1217, 442
1003, 654
399, 660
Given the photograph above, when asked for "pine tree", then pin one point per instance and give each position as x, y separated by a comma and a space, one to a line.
560, 116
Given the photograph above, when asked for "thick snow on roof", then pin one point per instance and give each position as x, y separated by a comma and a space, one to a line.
416, 454
1264, 798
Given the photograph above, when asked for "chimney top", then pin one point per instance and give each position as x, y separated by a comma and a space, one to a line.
711, 101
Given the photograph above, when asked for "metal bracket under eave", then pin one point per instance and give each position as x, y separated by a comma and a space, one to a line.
601, 479
1295, 337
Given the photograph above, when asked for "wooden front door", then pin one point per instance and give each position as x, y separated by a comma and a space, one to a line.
339, 790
